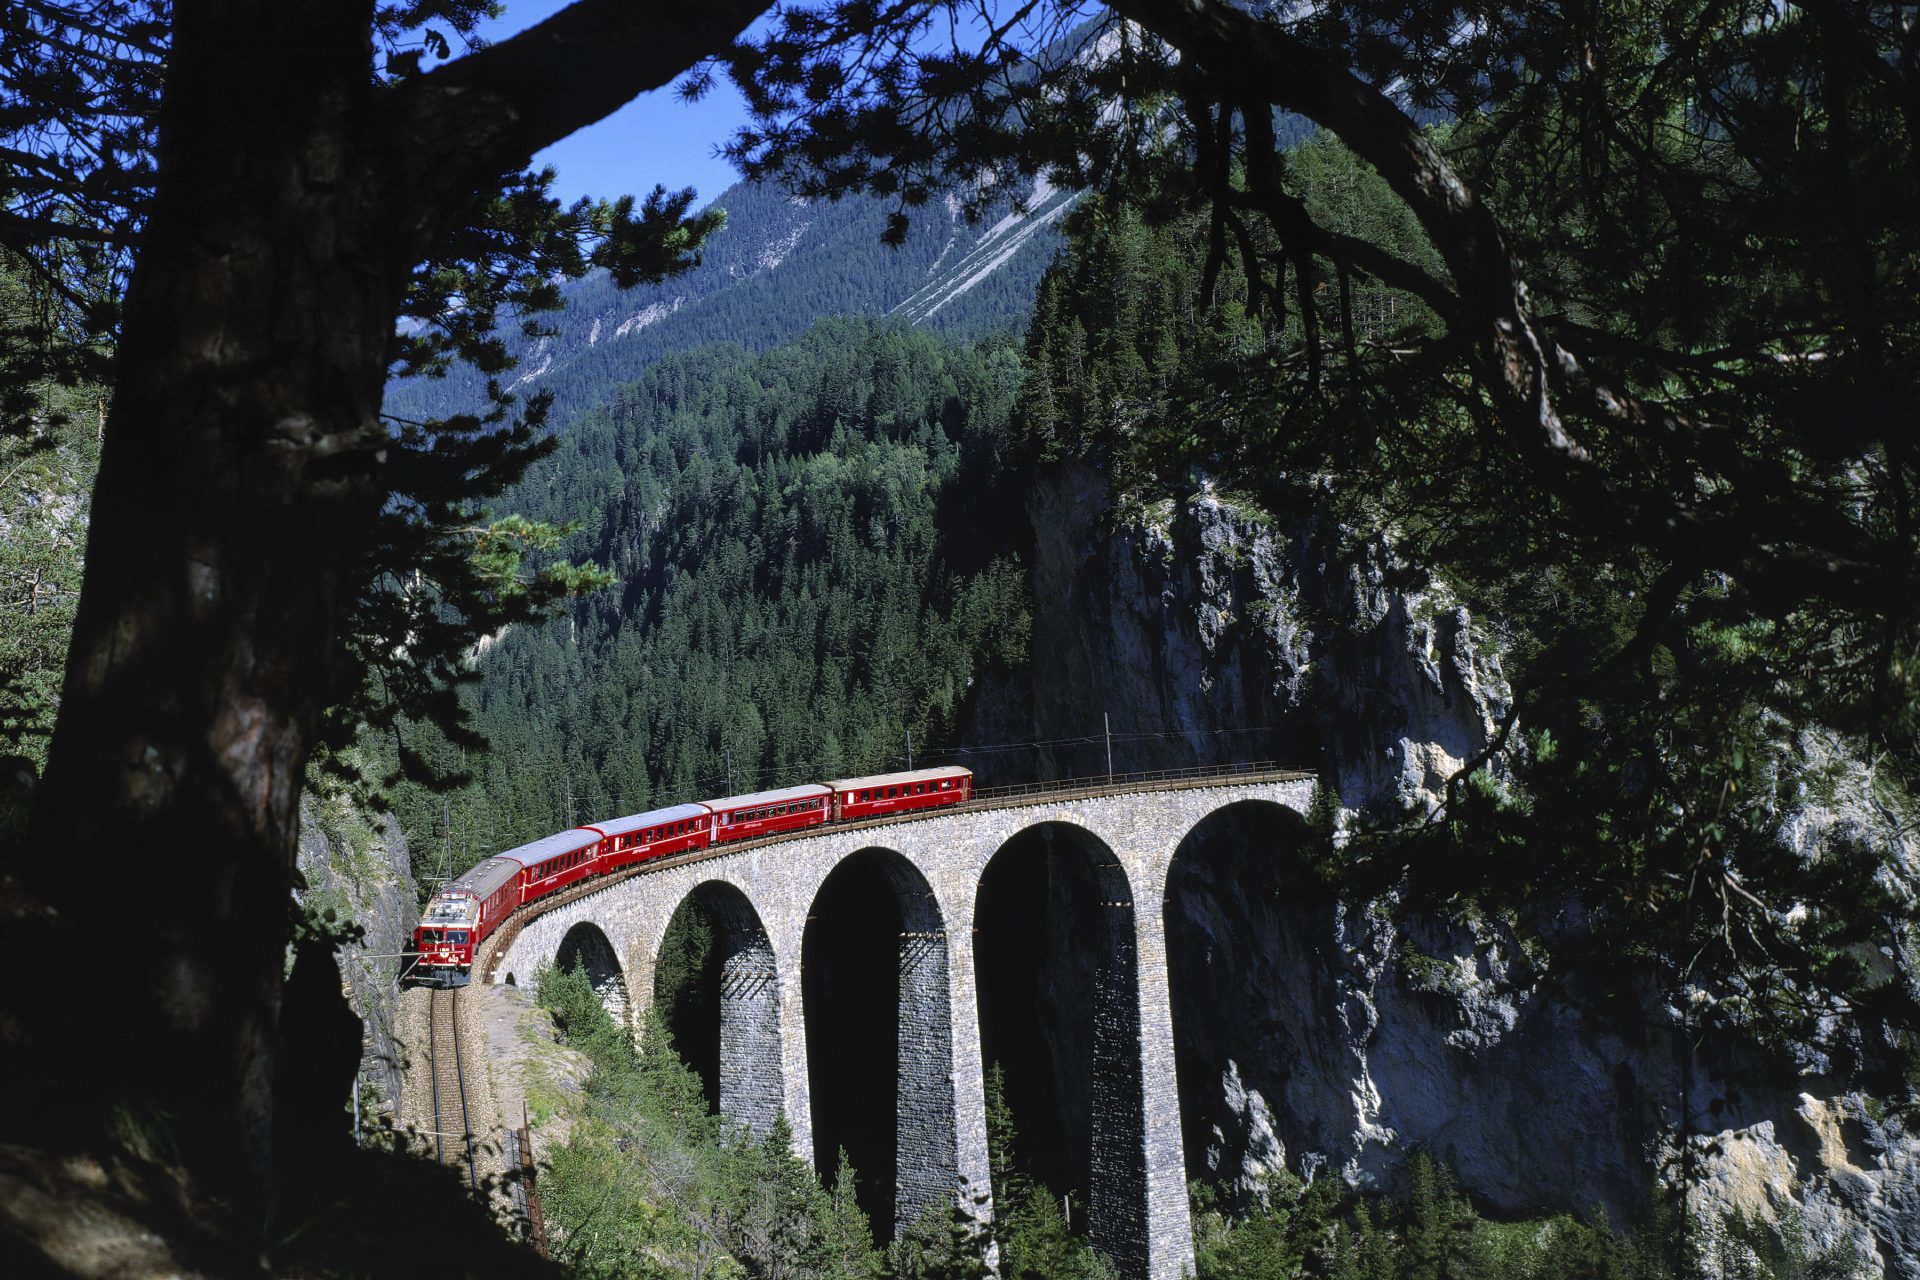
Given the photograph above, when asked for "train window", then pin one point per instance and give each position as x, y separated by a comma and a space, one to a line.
458, 937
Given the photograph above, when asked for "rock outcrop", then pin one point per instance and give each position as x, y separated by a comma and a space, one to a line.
1316, 1038
1208, 632
356, 866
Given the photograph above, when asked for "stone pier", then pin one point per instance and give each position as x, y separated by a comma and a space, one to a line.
762, 895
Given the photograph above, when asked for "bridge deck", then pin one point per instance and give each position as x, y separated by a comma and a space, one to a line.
1020, 795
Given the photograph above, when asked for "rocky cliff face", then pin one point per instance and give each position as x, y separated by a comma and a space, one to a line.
1209, 633
356, 865
1315, 1038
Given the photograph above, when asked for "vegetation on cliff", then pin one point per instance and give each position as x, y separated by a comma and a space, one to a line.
1680, 718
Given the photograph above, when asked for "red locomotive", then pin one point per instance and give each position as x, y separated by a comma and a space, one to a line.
463, 914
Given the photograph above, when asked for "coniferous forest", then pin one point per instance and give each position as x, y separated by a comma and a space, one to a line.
808, 562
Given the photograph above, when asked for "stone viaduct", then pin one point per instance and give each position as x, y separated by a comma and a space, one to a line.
761, 898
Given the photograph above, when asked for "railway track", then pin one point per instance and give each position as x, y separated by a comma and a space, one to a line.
452, 1129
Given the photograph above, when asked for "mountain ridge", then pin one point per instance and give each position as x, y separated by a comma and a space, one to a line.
781, 264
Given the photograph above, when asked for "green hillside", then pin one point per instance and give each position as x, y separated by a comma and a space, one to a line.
812, 562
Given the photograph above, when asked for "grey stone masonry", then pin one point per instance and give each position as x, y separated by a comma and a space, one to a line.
750, 1090
765, 890
586, 946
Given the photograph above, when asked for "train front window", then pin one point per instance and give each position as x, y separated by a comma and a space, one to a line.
458, 937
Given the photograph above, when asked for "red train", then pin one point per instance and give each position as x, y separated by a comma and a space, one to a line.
463, 914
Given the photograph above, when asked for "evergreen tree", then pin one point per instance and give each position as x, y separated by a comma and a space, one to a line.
1432, 1222
846, 1250
1028, 1224
943, 1243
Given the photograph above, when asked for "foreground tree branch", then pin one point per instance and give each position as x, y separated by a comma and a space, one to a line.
1529, 376
236, 521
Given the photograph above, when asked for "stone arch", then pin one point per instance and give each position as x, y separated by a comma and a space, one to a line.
723, 1007
1057, 979
585, 946
1252, 970
874, 969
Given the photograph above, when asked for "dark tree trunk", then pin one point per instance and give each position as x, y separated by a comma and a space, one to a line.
144, 924
240, 468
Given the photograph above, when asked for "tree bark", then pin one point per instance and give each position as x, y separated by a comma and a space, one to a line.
241, 469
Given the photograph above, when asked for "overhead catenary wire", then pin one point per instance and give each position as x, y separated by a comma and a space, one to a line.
734, 777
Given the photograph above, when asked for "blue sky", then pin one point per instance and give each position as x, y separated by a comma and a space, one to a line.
654, 138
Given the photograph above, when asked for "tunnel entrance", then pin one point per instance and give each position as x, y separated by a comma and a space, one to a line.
585, 947
1250, 958
718, 993
880, 1039
1057, 977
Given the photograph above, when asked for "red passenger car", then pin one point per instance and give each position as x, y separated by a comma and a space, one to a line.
890, 793
556, 862
655, 834
764, 812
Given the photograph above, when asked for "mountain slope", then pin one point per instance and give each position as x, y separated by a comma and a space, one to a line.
780, 264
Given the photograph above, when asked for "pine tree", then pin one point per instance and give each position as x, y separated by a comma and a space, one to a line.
942, 1244
846, 1250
